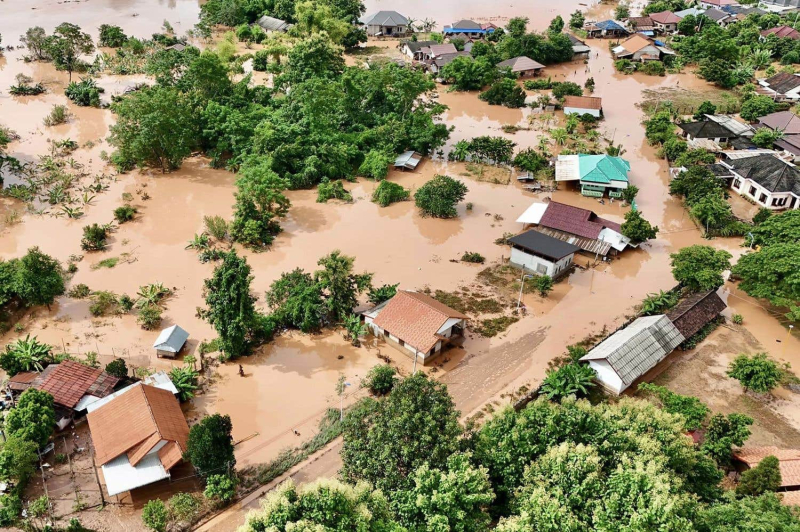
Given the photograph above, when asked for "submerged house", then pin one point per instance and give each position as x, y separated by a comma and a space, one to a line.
521, 66
139, 435
385, 24
598, 175
765, 178
641, 48
416, 324
436, 65
581, 227
542, 254
170, 342
73, 386
583, 105
270, 24
696, 311
629, 353
579, 48
408, 160
606, 28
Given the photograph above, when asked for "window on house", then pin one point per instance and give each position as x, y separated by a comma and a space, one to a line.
752, 191
541, 268
737, 183
763, 198
778, 202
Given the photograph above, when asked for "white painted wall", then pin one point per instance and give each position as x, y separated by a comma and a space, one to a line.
577, 110
534, 263
745, 186
607, 377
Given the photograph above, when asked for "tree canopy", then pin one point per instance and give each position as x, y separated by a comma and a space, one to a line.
700, 267
210, 446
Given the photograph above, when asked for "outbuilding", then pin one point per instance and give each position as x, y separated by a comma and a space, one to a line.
583, 105
542, 254
170, 342
408, 160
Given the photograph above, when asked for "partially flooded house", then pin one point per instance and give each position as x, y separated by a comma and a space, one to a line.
583, 105
625, 356
605, 28
170, 342
139, 435
579, 48
764, 178
788, 124
641, 48
696, 311
416, 324
523, 67
470, 28
581, 227
542, 254
598, 175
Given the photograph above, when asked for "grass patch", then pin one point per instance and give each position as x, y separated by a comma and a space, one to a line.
488, 174
686, 101
493, 326
468, 303
106, 263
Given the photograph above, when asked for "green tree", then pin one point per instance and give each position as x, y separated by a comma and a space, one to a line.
36, 40
383, 293
756, 107
33, 418
439, 197
454, 498
758, 373
723, 432
622, 11
220, 487
386, 441
230, 304
18, 458
210, 446
748, 514
155, 126
155, 515
185, 380
763, 478
577, 19
566, 88
468, 74
637, 228
695, 183
556, 25
260, 203
765, 137
26, 354
700, 267
117, 368
340, 286
38, 278
111, 36
693, 410
782, 228
387, 193
705, 108
313, 57
296, 301
380, 379
322, 505
571, 379
659, 128
206, 77
773, 274
66, 47
505, 92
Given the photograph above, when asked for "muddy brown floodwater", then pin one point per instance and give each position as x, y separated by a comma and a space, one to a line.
289, 383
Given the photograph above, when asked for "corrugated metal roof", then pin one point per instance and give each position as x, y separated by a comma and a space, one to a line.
543, 245
409, 160
590, 245
385, 18
636, 349
273, 24
171, 339
120, 476
583, 102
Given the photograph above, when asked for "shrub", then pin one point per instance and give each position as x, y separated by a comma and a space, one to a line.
653, 68
103, 302
10, 508
530, 160
94, 237
384, 293
766, 476
475, 258
693, 410
439, 197
504, 92
387, 193
658, 303
380, 380
59, 114
332, 190
758, 373
85, 93
571, 379
539, 84
111, 36
117, 368
183, 507
79, 291
216, 227
761, 216
261, 60
154, 515
220, 487
125, 303
185, 380
738, 319
544, 284
149, 317
567, 88
24, 87
376, 164
124, 214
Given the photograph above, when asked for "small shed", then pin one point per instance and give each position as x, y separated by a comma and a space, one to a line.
521, 66
270, 24
408, 160
170, 342
695, 312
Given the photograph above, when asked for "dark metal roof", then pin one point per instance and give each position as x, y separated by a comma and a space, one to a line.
720, 170
416, 46
695, 311
768, 171
783, 82
543, 245
707, 130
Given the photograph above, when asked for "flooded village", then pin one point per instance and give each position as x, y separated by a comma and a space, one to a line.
444, 266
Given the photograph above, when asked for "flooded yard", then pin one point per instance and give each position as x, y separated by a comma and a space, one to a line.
289, 383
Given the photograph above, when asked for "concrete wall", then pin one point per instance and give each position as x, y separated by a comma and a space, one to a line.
575, 110
607, 377
754, 191
539, 265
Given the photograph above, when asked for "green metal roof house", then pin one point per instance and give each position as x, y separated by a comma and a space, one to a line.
597, 174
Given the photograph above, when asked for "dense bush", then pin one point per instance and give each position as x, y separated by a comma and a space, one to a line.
439, 197
111, 36
124, 214
387, 193
332, 190
85, 93
380, 380
94, 237
504, 92
758, 373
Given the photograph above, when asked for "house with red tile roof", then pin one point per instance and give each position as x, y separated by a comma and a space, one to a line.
786, 32
417, 324
665, 21
139, 434
749, 457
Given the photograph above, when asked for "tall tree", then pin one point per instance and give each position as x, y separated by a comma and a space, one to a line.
67, 46
210, 446
33, 418
700, 267
230, 304
341, 287
773, 274
38, 278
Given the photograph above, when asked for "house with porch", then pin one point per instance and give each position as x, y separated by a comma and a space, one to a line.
386, 24
139, 435
665, 21
416, 324
542, 254
598, 175
625, 356
764, 178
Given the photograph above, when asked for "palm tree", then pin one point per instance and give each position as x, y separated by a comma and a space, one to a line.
544, 144
151, 294
28, 354
560, 136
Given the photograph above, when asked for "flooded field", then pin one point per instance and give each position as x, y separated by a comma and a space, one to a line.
289, 383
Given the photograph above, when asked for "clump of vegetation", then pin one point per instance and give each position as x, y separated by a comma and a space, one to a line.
504, 92
570, 379
700, 267
380, 380
104, 303
117, 368
758, 373
26, 354
332, 190
94, 237
24, 87
59, 114
491, 327
155, 515
220, 488
387, 193
439, 197
692, 409
383, 293
185, 380
216, 227
110, 262
124, 213
738, 319
85, 93
765, 477
149, 317
475, 258
484, 149
659, 303
637, 228
111, 36
79, 291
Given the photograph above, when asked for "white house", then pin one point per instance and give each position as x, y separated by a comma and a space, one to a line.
542, 254
764, 178
385, 24
416, 324
583, 105
626, 355
782, 86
